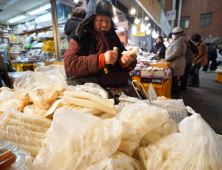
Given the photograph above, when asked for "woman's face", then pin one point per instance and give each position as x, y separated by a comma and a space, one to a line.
158, 40
102, 23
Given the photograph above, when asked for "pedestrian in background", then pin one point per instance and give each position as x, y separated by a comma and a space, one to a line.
159, 48
212, 56
78, 14
176, 55
200, 59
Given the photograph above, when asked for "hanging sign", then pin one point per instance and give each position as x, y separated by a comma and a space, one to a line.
171, 15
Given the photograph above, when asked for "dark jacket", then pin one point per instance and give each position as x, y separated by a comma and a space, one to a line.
161, 48
81, 59
201, 57
70, 27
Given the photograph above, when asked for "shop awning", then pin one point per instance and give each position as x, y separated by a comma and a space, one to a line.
213, 40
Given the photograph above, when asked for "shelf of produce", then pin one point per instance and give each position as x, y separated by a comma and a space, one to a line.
36, 30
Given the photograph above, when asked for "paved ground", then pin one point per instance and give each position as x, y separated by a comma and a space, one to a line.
207, 100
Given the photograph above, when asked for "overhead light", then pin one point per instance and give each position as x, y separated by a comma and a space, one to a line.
9, 3
76, 1
114, 10
154, 33
16, 19
165, 39
134, 29
148, 32
136, 21
148, 25
142, 27
133, 11
146, 18
116, 20
40, 9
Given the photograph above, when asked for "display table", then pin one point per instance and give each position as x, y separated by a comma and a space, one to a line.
22, 66
163, 89
219, 77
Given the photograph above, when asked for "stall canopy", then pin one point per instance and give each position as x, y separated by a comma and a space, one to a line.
213, 40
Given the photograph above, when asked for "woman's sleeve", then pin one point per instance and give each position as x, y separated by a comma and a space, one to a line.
162, 50
78, 65
176, 51
152, 49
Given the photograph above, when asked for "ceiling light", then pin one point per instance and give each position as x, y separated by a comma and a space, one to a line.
165, 39
116, 20
148, 32
76, 1
148, 25
40, 9
136, 21
114, 10
9, 3
133, 11
146, 18
142, 27
16, 19
134, 29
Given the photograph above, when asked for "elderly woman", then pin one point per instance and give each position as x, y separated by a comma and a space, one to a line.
91, 50
176, 55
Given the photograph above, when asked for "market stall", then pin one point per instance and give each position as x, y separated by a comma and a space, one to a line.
46, 124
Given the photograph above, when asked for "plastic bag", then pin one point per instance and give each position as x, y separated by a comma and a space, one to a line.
151, 93
176, 108
13, 103
76, 140
196, 147
25, 130
22, 158
149, 120
90, 87
34, 110
118, 161
5, 94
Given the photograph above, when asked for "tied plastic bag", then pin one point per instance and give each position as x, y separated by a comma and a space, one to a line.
152, 121
25, 130
151, 93
76, 140
118, 161
22, 158
196, 147
176, 108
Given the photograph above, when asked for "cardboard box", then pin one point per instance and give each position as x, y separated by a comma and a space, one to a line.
164, 74
155, 80
135, 73
161, 64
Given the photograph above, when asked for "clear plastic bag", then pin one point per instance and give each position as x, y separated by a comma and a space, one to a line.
25, 130
21, 158
34, 110
150, 120
196, 147
6, 94
151, 93
76, 140
118, 161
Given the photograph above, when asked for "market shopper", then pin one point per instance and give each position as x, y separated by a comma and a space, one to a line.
176, 55
4, 73
91, 50
170, 38
159, 48
212, 56
200, 58
78, 14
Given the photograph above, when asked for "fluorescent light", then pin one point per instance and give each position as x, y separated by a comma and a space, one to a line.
133, 11
116, 20
40, 9
9, 3
142, 27
16, 19
134, 29
146, 18
76, 1
114, 10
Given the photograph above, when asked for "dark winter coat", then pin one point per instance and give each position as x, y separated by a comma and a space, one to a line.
201, 57
81, 59
70, 27
161, 49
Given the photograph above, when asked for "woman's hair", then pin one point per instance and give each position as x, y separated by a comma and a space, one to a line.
79, 12
170, 35
195, 37
159, 37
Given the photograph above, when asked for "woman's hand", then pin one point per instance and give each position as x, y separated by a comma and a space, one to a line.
126, 59
158, 53
111, 57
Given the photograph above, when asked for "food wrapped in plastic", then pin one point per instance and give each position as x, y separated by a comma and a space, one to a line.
118, 161
34, 110
25, 130
13, 103
13, 157
76, 140
5, 94
149, 120
196, 147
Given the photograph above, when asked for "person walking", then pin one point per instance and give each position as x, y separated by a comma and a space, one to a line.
78, 14
212, 56
200, 58
159, 48
176, 55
